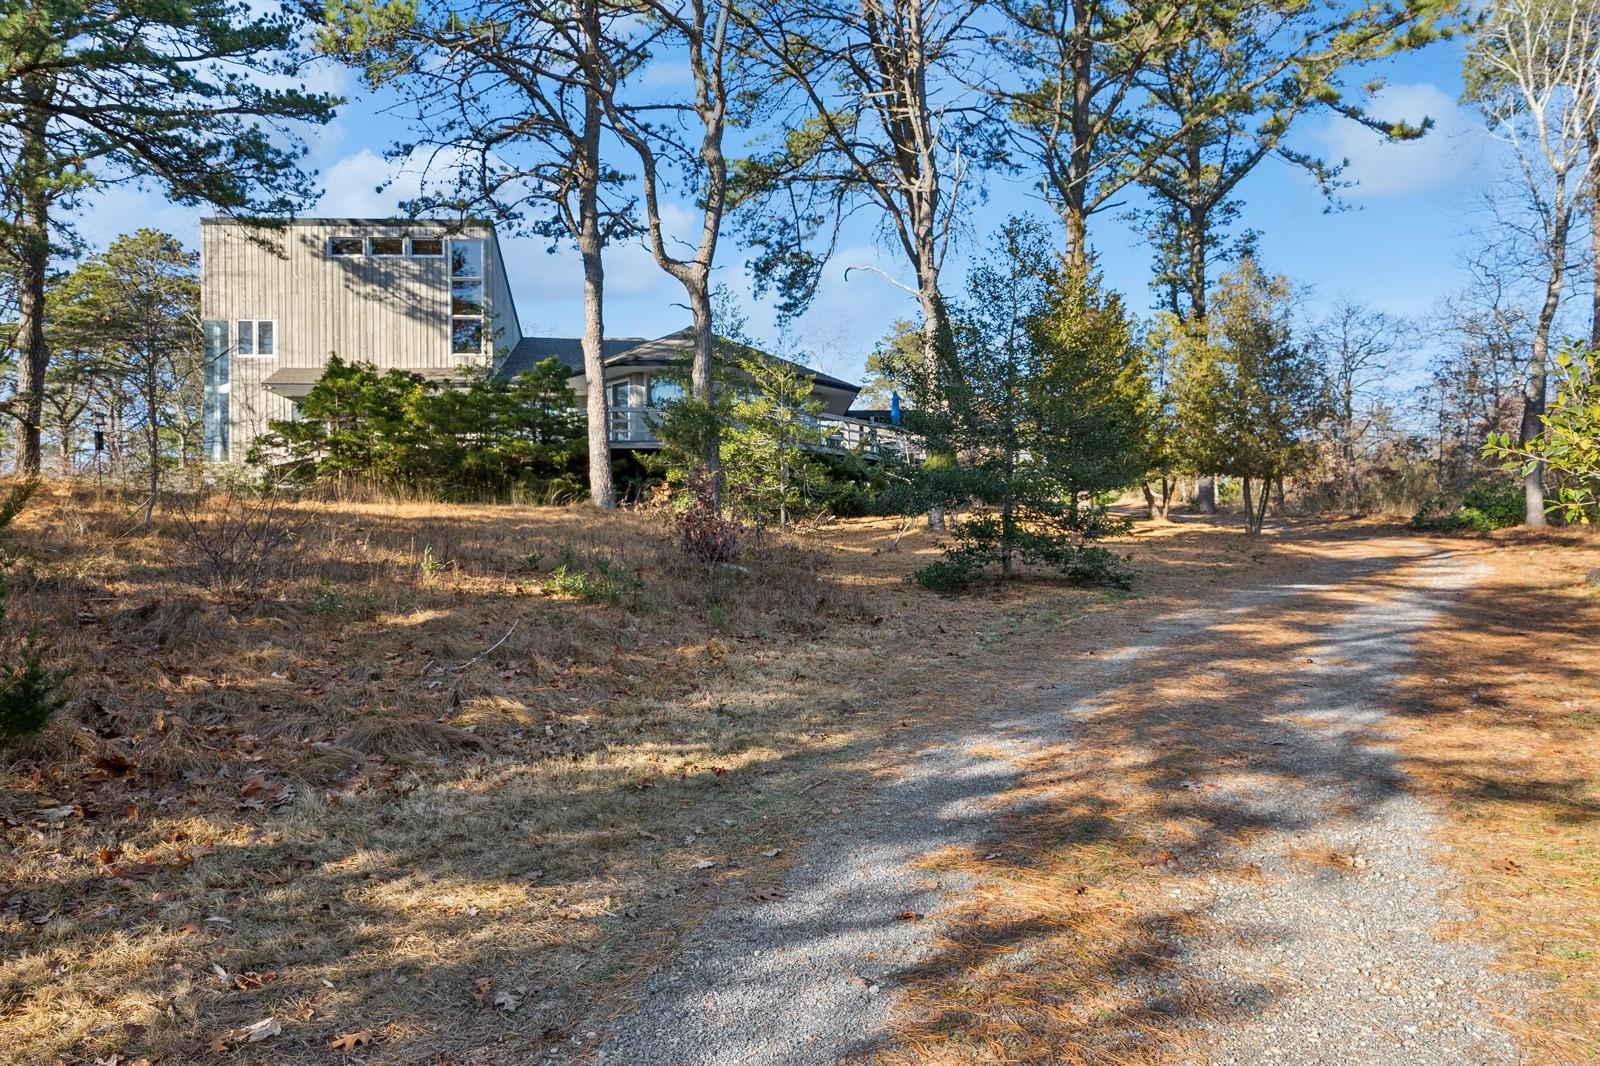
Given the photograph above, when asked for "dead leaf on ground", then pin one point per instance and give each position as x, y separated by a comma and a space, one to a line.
908, 916
768, 895
350, 1041
1507, 866
483, 990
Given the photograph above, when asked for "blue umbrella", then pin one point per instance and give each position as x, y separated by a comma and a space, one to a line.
894, 408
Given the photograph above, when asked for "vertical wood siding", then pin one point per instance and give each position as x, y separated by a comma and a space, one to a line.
390, 312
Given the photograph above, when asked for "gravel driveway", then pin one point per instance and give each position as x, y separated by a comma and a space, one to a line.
1325, 967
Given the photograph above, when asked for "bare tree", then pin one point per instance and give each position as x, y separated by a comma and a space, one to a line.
505, 100
1534, 73
1357, 344
686, 137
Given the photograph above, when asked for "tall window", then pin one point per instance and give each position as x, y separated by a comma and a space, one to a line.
255, 337
214, 396
466, 297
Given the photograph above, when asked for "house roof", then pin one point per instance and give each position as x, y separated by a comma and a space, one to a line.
673, 349
295, 382
569, 350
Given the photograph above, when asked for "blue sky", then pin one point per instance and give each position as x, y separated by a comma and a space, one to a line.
1398, 245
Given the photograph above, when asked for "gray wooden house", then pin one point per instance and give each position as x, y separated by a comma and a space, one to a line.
431, 297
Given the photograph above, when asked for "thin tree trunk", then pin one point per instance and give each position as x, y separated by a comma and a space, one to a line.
935, 334
1535, 387
153, 442
1075, 210
1594, 238
1277, 495
602, 491
33, 266
1249, 508
697, 283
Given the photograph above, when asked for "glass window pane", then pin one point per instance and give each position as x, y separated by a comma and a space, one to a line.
214, 409
466, 259
346, 246
263, 338
664, 391
466, 336
244, 337
466, 297
388, 246
427, 247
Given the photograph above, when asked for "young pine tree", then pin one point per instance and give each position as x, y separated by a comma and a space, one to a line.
1038, 401
1248, 394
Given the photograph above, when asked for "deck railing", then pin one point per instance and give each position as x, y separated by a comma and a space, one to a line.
636, 426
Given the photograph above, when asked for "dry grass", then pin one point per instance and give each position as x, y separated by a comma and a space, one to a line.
1504, 728
403, 767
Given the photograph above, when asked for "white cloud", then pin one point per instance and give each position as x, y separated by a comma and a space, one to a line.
1381, 167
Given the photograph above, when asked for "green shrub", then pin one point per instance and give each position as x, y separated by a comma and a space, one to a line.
608, 582
30, 691
1482, 508
954, 573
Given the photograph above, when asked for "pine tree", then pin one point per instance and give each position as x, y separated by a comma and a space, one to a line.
769, 438
1248, 395
180, 94
1038, 402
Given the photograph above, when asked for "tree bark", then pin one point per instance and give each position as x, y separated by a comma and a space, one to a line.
1534, 390
1205, 494
602, 491
33, 262
1594, 238
697, 283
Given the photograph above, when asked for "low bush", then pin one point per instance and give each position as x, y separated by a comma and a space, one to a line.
707, 534
607, 582
30, 690
1481, 509
956, 572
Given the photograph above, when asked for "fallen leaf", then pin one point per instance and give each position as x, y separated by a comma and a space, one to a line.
772, 853
265, 1029
1507, 866
768, 895
907, 916
705, 864
507, 1001
483, 990
350, 1041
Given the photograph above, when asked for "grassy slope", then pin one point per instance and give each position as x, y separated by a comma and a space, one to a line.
322, 807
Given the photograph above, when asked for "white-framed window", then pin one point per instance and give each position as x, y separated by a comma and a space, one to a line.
426, 247
467, 332
386, 246
347, 246
255, 337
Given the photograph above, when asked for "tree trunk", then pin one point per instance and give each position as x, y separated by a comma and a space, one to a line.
1277, 495
1249, 507
935, 334
697, 283
1006, 537
153, 443
1205, 494
1075, 198
602, 491
1534, 387
1594, 238
33, 265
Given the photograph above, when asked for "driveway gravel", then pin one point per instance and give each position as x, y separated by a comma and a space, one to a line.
1326, 966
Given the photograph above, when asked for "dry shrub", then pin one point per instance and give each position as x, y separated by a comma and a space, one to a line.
236, 538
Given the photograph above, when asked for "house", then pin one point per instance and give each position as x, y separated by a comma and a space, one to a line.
431, 297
